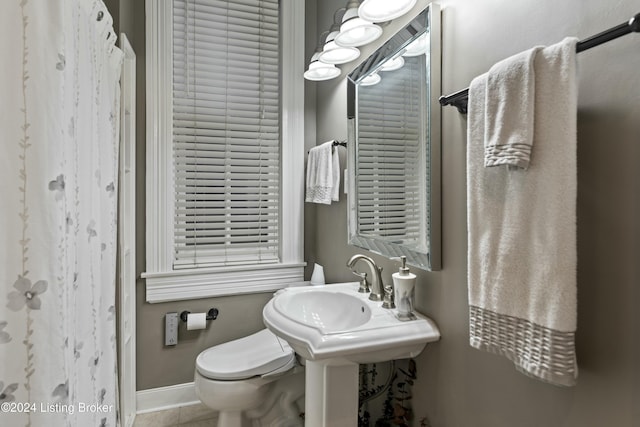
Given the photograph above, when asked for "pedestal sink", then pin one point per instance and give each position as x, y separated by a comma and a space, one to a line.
335, 328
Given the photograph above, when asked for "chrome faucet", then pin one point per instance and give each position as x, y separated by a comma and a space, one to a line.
377, 288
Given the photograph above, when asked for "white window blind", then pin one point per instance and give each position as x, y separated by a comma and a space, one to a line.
390, 148
226, 132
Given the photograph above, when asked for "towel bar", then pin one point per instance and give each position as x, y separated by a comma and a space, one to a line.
460, 98
336, 143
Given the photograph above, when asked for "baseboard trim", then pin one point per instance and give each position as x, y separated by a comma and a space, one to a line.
161, 398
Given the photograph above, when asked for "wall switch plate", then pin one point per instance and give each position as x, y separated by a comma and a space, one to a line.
171, 328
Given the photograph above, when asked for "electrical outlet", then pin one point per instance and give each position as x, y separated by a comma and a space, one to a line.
171, 328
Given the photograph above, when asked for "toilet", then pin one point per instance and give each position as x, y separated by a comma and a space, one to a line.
251, 381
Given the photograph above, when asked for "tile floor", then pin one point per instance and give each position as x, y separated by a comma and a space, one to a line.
185, 416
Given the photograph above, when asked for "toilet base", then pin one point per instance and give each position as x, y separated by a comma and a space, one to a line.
285, 405
257, 401
232, 419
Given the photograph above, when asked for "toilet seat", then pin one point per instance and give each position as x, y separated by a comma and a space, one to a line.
259, 354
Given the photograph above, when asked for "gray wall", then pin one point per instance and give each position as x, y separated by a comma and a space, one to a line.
460, 386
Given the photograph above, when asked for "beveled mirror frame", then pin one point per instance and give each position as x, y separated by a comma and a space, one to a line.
426, 255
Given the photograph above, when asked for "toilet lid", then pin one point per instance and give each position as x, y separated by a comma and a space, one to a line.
254, 355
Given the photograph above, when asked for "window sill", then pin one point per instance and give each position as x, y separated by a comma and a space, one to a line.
216, 282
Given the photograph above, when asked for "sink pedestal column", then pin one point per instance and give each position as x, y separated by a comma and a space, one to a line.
331, 393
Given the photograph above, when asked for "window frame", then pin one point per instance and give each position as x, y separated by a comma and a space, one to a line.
163, 282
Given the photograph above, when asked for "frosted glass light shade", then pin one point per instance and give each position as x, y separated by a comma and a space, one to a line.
334, 54
357, 32
393, 64
370, 80
418, 47
319, 71
384, 10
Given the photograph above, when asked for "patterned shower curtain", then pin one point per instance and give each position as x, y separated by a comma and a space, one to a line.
59, 111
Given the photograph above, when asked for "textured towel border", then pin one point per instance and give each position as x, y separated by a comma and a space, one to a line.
516, 155
319, 194
536, 351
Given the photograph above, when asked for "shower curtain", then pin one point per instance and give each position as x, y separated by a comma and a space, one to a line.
59, 113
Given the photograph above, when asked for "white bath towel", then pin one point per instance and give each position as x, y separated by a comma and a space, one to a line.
323, 174
522, 230
509, 111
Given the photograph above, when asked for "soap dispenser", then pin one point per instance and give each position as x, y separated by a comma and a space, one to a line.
404, 283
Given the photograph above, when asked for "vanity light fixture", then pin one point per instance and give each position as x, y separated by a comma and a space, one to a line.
319, 71
354, 30
332, 53
384, 10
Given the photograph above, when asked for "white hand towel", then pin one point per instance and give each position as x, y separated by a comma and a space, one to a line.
335, 175
522, 254
509, 111
323, 174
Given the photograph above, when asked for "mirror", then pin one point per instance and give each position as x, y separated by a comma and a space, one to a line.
394, 146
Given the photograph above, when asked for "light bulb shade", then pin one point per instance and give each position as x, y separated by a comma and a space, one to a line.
393, 64
357, 32
370, 80
384, 10
334, 54
319, 71
419, 46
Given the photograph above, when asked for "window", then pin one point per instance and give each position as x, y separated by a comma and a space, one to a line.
224, 147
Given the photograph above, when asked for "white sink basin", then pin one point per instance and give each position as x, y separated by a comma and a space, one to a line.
335, 321
328, 312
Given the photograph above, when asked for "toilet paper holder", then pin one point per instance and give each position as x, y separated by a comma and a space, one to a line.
212, 314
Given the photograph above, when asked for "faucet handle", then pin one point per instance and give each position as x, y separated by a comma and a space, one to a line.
364, 285
387, 302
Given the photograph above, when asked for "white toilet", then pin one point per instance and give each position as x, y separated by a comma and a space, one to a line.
251, 381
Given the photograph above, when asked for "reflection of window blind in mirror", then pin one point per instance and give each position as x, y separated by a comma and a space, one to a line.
390, 152
226, 132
